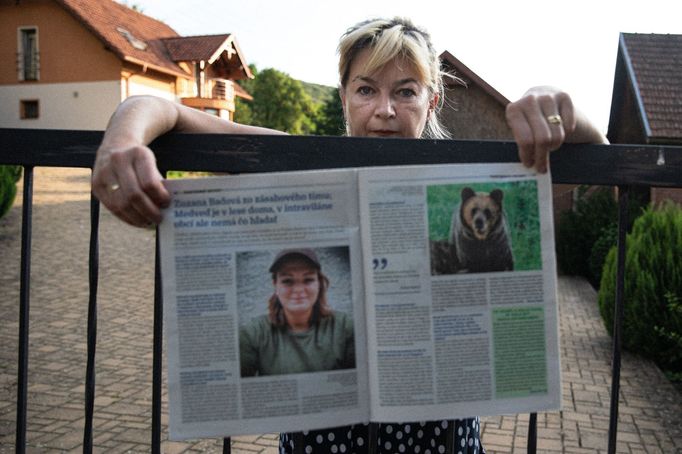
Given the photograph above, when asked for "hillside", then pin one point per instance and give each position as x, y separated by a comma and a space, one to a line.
319, 93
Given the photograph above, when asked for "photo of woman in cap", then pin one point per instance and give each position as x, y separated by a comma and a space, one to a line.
300, 332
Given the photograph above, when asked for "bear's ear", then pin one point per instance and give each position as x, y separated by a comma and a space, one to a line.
467, 193
497, 196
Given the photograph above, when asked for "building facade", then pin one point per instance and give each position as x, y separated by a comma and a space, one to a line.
71, 62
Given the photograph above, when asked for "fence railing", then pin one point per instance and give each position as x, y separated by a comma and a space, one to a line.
623, 166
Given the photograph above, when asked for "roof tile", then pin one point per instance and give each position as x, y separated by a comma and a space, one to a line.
657, 64
120, 27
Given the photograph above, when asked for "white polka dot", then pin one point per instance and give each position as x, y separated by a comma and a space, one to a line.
417, 449
462, 442
389, 429
388, 446
334, 449
319, 439
459, 452
441, 449
305, 432
401, 447
342, 447
471, 441
460, 431
436, 431
420, 433
399, 435
330, 437
428, 451
308, 449
410, 441
407, 428
444, 424
360, 441
433, 443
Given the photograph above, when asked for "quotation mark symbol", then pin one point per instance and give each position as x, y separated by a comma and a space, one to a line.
380, 263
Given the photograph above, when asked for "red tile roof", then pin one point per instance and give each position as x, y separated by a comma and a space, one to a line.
195, 48
140, 39
119, 27
655, 63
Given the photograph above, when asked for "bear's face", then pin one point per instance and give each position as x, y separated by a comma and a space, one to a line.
481, 211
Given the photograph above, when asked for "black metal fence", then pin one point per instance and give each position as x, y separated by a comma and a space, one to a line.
624, 166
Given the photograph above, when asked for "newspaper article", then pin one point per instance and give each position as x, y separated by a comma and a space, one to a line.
461, 287
306, 300
233, 366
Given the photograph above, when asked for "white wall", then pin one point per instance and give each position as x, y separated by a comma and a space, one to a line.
135, 88
83, 105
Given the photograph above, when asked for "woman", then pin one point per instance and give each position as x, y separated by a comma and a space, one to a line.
300, 333
391, 86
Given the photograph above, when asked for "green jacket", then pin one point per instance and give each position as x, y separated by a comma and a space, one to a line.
268, 350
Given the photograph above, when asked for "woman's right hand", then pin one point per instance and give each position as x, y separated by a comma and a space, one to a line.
125, 177
126, 180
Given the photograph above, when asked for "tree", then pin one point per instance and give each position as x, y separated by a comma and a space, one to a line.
330, 117
279, 102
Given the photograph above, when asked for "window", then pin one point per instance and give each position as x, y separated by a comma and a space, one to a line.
29, 109
28, 57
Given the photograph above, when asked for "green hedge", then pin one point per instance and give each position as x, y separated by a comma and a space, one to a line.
9, 175
653, 287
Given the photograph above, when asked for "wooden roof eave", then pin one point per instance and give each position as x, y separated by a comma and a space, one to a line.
630, 75
240, 54
160, 69
450, 59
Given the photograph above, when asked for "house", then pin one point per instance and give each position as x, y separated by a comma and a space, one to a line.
473, 109
646, 106
69, 63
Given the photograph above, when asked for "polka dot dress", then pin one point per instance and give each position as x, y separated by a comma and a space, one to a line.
460, 436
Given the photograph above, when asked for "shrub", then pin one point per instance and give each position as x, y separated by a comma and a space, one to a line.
9, 175
600, 249
579, 229
653, 272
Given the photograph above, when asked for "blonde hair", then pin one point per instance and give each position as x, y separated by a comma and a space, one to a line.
388, 39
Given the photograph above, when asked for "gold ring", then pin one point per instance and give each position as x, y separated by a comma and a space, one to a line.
554, 119
114, 187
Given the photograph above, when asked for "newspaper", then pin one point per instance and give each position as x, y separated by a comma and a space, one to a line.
441, 286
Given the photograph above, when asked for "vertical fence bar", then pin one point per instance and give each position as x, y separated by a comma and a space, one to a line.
227, 446
93, 275
24, 293
532, 433
623, 199
157, 362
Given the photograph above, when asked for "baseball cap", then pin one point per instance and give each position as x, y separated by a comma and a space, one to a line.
303, 252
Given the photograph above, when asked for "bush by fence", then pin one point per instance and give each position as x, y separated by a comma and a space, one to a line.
595, 212
9, 175
653, 287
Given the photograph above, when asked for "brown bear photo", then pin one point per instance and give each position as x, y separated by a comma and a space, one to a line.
479, 233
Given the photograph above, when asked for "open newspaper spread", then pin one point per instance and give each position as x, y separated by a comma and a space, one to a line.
442, 287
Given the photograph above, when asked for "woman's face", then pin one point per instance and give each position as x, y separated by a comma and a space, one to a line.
391, 102
297, 285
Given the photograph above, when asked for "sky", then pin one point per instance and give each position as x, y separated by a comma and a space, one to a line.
512, 45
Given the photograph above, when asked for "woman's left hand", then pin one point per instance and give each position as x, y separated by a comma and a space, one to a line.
541, 121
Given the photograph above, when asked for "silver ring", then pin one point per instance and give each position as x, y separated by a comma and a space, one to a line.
554, 119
